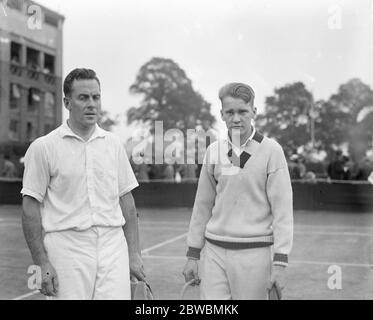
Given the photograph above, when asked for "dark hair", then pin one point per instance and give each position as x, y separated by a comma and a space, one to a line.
237, 90
78, 74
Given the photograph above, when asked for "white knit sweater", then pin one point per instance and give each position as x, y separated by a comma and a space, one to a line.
241, 206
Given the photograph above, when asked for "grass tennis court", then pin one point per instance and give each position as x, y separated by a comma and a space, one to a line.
321, 239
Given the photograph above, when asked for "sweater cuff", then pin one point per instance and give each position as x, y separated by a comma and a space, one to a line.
280, 259
193, 253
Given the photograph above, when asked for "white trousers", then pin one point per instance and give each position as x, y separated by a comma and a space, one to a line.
90, 264
235, 274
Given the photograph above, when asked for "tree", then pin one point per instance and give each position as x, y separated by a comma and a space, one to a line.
350, 99
285, 116
105, 122
168, 96
330, 125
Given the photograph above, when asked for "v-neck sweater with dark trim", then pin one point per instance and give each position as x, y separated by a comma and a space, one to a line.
244, 204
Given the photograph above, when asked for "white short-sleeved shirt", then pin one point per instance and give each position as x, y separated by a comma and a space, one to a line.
77, 182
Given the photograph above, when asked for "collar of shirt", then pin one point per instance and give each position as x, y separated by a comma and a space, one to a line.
238, 150
66, 131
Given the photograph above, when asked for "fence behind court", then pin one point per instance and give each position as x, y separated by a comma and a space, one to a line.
321, 194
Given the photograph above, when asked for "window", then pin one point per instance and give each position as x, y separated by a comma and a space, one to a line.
15, 4
49, 105
14, 130
52, 21
32, 59
15, 96
48, 64
13, 125
15, 53
33, 100
30, 131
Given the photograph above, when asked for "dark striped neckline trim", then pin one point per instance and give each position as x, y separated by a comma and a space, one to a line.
258, 137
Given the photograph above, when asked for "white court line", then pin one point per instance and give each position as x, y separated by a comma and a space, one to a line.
10, 224
326, 263
343, 264
144, 252
10, 219
333, 233
163, 226
296, 231
296, 226
164, 223
27, 295
349, 231
338, 227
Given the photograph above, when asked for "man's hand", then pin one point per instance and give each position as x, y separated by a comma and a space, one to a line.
190, 271
137, 267
49, 280
279, 276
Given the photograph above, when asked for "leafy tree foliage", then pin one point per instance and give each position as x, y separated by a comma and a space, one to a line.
168, 96
105, 122
288, 113
349, 100
285, 116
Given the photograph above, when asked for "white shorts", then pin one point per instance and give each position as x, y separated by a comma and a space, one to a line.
90, 264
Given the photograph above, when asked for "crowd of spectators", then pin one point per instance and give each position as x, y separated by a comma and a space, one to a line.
339, 167
166, 172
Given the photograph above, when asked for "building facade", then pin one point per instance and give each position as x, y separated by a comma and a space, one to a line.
30, 70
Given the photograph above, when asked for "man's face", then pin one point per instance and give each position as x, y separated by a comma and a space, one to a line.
237, 115
84, 103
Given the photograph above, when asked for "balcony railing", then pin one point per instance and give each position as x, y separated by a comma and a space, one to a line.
49, 78
32, 74
13, 104
16, 69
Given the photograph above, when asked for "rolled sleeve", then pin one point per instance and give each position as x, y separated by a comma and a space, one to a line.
127, 179
36, 175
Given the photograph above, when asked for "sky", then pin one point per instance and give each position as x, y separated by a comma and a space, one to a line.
265, 43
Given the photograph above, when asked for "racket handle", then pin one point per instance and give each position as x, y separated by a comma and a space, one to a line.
185, 287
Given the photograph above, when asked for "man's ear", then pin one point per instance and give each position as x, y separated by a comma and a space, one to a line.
66, 102
221, 114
